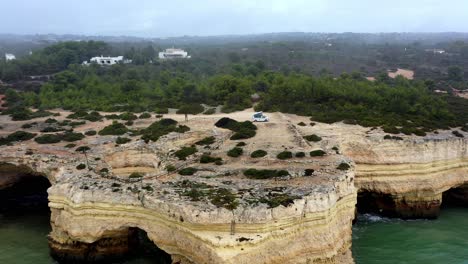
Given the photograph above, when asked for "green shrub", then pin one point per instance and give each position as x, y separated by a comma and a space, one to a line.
72, 136
241, 144
83, 149
70, 145
129, 123
135, 175
208, 159
284, 155
301, 124
343, 166
309, 172
392, 137
91, 133
265, 174
300, 154
235, 152
161, 128
50, 121
50, 129
104, 170
128, 116
224, 198
48, 139
313, 138
187, 171
313, 124
20, 136
81, 167
116, 129
243, 130
317, 153
171, 168
28, 125
122, 140
276, 199
258, 153
184, 152
391, 130
206, 141
145, 115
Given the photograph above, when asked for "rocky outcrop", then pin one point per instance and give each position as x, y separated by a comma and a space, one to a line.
406, 178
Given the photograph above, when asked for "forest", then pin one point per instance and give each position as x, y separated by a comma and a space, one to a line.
236, 82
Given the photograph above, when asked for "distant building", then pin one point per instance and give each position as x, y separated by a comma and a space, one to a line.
9, 57
436, 51
107, 60
173, 54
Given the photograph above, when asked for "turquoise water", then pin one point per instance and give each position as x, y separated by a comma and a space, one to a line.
23, 240
379, 240
376, 240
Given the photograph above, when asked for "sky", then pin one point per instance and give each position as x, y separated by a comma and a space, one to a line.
169, 18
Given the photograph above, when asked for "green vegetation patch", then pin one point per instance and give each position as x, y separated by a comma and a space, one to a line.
243, 130
192, 109
208, 159
116, 129
235, 152
206, 141
265, 174
48, 139
188, 171
343, 166
284, 155
16, 136
184, 152
161, 128
317, 153
122, 140
258, 153
300, 154
276, 199
313, 138
145, 115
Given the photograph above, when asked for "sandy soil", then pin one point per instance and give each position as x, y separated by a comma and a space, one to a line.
408, 74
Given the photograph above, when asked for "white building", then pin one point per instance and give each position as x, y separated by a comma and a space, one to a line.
173, 54
107, 60
9, 57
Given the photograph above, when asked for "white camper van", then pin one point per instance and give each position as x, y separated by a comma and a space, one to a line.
260, 117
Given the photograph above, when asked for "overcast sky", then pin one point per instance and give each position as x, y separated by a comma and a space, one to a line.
155, 18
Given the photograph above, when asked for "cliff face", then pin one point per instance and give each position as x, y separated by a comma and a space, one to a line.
217, 215
406, 178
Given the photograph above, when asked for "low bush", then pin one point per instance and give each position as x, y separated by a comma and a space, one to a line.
122, 140
161, 128
276, 199
28, 125
72, 136
135, 175
184, 152
187, 171
241, 144
171, 168
50, 129
308, 172
343, 166
235, 152
223, 198
16, 136
71, 145
48, 139
243, 130
391, 130
206, 141
317, 153
208, 159
300, 154
50, 121
81, 167
301, 124
145, 115
313, 138
258, 153
116, 129
284, 155
128, 116
91, 133
265, 174
393, 137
